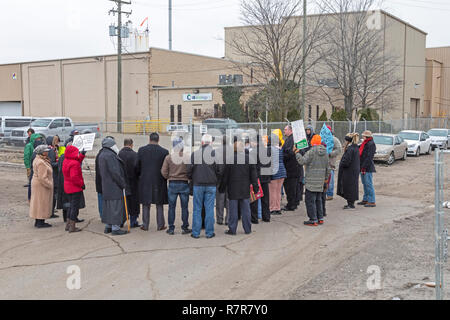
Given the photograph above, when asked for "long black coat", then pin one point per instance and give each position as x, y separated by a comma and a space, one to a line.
293, 169
130, 160
348, 176
152, 185
237, 179
113, 177
98, 179
112, 173
368, 153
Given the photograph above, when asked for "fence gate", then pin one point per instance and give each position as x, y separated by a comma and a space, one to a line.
440, 233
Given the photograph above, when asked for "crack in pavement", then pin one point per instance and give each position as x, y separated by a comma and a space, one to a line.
123, 252
155, 291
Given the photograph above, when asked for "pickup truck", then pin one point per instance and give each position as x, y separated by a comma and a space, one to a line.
59, 126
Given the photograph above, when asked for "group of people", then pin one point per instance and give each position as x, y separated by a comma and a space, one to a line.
246, 178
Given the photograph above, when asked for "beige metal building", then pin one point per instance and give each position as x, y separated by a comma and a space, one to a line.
400, 39
437, 99
162, 85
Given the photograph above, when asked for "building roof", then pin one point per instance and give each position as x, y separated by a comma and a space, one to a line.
330, 14
127, 54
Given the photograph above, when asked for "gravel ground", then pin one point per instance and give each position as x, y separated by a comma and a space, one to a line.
280, 260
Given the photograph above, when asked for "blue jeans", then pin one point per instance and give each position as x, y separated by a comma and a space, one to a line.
369, 191
100, 204
203, 195
178, 189
259, 209
330, 191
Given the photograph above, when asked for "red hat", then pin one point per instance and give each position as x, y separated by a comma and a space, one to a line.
330, 128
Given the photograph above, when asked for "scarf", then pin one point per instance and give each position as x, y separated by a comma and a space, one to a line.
361, 148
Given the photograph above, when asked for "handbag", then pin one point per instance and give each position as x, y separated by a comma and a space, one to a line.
256, 196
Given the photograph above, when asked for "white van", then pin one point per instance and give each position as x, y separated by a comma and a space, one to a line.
9, 123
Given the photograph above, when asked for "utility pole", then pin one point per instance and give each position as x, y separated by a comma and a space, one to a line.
119, 58
304, 63
170, 24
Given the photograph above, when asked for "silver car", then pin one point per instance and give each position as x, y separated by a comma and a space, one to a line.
390, 147
440, 138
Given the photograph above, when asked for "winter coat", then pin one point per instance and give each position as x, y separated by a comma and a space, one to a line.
28, 151
112, 173
337, 150
237, 179
98, 179
366, 159
317, 169
204, 173
53, 156
41, 204
278, 169
130, 161
263, 168
62, 198
348, 176
152, 185
175, 171
293, 169
309, 138
73, 175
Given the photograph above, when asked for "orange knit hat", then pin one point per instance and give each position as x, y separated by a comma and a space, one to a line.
316, 140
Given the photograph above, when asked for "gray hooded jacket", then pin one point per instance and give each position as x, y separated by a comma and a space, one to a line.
316, 168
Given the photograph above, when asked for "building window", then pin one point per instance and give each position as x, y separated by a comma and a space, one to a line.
317, 113
172, 113
309, 112
180, 118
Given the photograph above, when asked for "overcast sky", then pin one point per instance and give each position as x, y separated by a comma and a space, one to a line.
52, 29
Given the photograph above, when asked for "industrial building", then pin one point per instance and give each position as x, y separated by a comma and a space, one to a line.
177, 87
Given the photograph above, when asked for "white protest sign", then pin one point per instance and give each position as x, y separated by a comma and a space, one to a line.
298, 130
84, 141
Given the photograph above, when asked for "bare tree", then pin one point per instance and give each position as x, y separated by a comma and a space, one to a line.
354, 57
271, 46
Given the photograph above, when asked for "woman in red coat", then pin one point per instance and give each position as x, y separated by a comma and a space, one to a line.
73, 183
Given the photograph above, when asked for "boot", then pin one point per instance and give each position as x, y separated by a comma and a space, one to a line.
72, 227
65, 215
67, 225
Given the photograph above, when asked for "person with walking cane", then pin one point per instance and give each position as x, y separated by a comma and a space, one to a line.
114, 188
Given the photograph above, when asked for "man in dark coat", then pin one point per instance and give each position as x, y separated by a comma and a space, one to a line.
294, 172
112, 173
348, 176
237, 178
152, 185
205, 174
73, 133
367, 151
130, 159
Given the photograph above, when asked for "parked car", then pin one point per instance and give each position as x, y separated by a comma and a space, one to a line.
418, 142
60, 126
9, 123
221, 124
440, 138
390, 147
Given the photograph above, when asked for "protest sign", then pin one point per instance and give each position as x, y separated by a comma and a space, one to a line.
298, 130
327, 138
84, 141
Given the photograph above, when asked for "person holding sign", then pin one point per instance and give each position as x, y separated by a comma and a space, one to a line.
317, 172
294, 171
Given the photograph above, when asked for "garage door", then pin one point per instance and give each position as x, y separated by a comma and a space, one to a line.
11, 108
